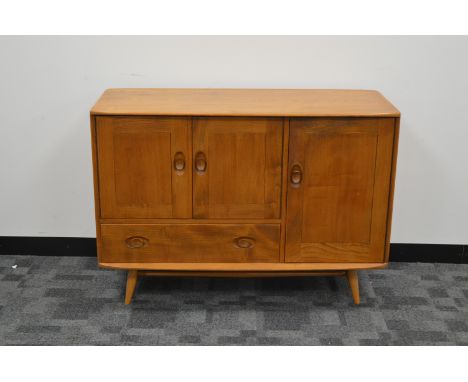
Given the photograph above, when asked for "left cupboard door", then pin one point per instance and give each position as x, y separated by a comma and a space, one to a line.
144, 167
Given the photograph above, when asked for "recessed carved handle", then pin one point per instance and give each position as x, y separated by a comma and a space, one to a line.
200, 162
179, 161
296, 175
244, 242
135, 242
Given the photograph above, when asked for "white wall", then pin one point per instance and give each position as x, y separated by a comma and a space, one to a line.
48, 84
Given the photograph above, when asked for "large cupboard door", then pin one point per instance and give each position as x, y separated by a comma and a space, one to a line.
338, 189
144, 167
237, 167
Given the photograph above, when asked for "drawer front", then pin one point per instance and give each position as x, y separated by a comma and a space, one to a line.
232, 243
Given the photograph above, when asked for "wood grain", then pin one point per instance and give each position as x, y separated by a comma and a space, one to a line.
354, 285
132, 279
243, 267
242, 178
338, 212
136, 174
97, 208
189, 221
245, 102
284, 188
190, 243
392, 188
241, 274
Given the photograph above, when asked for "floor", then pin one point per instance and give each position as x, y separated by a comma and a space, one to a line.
69, 301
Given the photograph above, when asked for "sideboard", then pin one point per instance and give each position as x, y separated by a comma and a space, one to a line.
243, 182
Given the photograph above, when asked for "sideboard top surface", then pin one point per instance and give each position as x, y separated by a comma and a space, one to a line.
245, 102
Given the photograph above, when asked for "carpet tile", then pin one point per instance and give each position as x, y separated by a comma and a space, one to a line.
69, 301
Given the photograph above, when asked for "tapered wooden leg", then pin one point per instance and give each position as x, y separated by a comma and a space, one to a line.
132, 278
353, 284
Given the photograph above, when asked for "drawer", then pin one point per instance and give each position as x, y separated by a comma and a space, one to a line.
232, 243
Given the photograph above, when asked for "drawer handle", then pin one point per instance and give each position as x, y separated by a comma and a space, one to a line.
296, 175
200, 162
179, 161
244, 242
135, 242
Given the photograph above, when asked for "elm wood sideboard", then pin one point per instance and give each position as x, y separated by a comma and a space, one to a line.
243, 182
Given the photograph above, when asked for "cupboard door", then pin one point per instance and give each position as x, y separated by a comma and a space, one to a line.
237, 167
338, 188
144, 167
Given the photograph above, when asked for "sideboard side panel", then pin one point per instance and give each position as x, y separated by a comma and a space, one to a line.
97, 208
392, 188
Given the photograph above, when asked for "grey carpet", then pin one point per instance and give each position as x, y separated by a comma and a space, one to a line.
69, 301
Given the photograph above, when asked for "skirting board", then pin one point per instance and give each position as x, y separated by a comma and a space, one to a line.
78, 246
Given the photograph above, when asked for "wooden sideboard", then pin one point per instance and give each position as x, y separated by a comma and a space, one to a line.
243, 182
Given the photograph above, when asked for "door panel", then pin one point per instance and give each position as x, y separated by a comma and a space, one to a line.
137, 159
237, 167
337, 210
